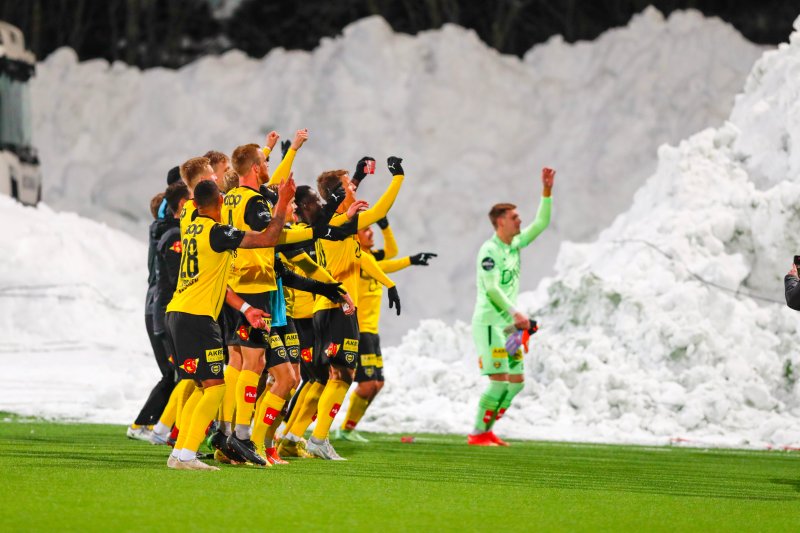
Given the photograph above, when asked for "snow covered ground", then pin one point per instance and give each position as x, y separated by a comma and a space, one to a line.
646, 334
475, 127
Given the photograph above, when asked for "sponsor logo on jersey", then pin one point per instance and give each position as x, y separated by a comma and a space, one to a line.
215, 355
243, 332
194, 229
189, 365
487, 416
487, 263
334, 410
332, 349
379, 361
350, 345
176, 247
499, 353
232, 200
305, 353
271, 416
291, 339
275, 342
250, 394
216, 368
368, 359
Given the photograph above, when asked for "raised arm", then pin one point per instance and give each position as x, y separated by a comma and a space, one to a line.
390, 248
285, 166
384, 203
529, 234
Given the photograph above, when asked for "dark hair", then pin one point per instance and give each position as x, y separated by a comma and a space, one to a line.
499, 210
155, 204
175, 193
173, 175
206, 194
302, 193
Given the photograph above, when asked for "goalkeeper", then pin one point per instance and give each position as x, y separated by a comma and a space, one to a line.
498, 268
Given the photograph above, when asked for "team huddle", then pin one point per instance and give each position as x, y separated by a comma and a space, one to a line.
265, 301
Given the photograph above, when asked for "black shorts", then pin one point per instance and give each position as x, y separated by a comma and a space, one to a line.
276, 351
198, 346
370, 360
305, 333
238, 331
290, 340
336, 338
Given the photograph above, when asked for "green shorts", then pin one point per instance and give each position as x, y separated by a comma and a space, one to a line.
490, 342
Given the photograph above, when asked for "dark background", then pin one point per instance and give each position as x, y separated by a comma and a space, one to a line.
172, 33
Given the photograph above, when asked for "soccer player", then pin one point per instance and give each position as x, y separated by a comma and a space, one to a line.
498, 267
369, 373
207, 253
336, 333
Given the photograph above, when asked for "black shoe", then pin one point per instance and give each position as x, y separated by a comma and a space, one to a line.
219, 441
246, 449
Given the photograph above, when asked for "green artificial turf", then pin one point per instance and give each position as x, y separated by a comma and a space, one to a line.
68, 477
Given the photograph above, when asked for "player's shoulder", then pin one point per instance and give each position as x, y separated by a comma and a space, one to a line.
488, 247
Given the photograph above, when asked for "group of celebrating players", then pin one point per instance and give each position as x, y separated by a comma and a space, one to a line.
264, 300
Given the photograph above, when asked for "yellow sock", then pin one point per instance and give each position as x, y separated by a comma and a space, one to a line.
187, 388
246, 388
186, 417
202, 415
170, 411
297, 403
229, 400
306, 410
329, 404
358, 406
267, 418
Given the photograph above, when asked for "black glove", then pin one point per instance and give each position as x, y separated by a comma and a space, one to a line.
335, 199
285, 145
422, 258
361, 170
333, 233
331, 291
394, 299
269, 195
394, 165
383, 223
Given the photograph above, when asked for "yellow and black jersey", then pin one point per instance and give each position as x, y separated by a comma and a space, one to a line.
342, 259
206, 257
188, 213
253, 270
302, 259
371, 280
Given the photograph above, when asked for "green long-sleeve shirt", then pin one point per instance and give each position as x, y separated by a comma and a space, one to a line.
497, 269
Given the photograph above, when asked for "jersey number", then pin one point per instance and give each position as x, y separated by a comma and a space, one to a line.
189, 263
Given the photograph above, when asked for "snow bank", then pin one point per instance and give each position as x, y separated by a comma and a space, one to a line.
73, 342
474, 127
646, 333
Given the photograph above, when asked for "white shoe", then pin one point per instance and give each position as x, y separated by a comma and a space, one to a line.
194, 464
323, 450
157, 438
140, 433
172, 461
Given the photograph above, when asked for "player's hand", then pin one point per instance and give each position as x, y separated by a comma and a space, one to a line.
286, 190
422, 258
299, 139
548, 177
394, 165
285, 145
256, 317
521, 321
793, 271
348, 307
333, 292
394, 299
272, 138
335, 199
357, 207
383, 223
361, 170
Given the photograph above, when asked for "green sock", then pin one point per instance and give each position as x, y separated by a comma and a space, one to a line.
505, 402
488, 404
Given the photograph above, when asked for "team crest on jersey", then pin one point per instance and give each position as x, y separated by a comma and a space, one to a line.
487, 263
369, 371
349, 357
305, 353
332, 349
498, 364
190, 365
243, 332
216, 368
176, 247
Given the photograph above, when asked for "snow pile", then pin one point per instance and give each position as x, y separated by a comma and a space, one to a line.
72, 327
643, 337
473, 126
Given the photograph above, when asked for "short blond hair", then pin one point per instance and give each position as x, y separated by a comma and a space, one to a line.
244, 157
229, 181
193, 169
215, 157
